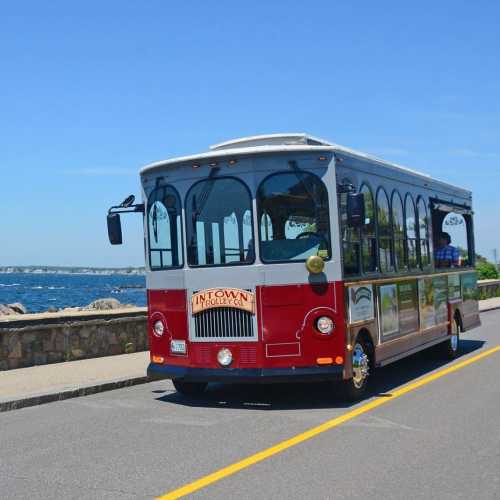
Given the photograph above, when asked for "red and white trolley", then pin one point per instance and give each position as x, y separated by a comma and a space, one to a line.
285, 257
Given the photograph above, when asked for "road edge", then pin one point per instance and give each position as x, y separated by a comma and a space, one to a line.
61, 395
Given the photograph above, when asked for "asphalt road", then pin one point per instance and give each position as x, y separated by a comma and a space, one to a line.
441, 440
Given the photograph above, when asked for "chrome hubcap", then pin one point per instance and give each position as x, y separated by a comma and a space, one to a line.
360, 366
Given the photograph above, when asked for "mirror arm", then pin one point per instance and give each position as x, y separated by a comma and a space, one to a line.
118, 209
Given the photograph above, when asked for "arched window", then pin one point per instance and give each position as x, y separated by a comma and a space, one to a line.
384, 231
398, 226
411, 232
368, 237
457, 252
293, 217
423, 233
350, 235
164, 228
219, 233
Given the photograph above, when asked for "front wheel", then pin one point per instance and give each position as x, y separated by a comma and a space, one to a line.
355, 388
189, 388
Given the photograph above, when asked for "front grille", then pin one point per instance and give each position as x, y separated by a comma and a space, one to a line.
224, 323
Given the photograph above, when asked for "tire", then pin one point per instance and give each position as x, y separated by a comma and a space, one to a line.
355, 388
189, 388
450, 349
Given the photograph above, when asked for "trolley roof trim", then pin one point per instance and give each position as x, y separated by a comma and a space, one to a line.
271, 140
293, 142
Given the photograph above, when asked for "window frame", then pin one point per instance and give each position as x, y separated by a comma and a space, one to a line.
438, 217
260, 213
374, 238
249, 191
404, 263
391, 269
417, 267
353, 243
181, 255
421, 200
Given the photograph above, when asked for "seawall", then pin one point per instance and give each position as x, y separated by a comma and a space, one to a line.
38, 339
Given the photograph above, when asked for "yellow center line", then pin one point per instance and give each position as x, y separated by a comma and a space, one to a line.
315, 431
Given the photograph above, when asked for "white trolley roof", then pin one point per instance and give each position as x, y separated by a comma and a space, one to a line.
275, 143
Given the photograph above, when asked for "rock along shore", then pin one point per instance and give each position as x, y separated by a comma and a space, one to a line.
106, 304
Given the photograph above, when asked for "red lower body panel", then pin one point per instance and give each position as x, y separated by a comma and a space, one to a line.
287, 336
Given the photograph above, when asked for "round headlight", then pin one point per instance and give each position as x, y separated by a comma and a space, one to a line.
225, 357
325, 325
158, 328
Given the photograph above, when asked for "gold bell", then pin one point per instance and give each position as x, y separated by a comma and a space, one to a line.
315, 264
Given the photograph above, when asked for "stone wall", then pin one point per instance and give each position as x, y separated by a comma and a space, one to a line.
37, 339
489, 289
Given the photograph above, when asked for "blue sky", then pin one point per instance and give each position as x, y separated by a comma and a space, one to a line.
91, 91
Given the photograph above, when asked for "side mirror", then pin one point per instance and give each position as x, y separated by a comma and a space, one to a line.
356, 209
128, 201
114, 229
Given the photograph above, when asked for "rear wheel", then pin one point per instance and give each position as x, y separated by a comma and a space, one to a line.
189, 388
355, 388
451, 347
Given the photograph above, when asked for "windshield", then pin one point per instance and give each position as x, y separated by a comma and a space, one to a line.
219, 223
164, 228
293, 217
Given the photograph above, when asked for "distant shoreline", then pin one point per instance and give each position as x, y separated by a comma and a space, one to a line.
85, 270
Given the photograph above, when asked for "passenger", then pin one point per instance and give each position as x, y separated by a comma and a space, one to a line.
446, 254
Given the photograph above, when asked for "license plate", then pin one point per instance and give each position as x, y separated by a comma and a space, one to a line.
178, 346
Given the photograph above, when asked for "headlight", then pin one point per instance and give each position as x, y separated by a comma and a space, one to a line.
158, 328
225, 357
325, 325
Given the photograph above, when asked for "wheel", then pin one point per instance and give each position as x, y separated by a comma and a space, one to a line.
355, 388
451, 347
189, 388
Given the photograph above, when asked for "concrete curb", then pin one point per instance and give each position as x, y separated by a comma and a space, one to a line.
492, 308
40, 399
489, 304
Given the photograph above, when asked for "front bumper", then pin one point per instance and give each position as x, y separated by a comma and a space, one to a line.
245, 375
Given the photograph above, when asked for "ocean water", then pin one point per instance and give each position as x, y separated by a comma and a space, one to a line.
38, 292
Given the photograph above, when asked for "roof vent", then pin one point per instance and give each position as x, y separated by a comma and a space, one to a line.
271, 140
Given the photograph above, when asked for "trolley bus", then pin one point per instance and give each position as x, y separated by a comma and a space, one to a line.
285, 257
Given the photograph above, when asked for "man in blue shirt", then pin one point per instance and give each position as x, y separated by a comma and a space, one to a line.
446, 254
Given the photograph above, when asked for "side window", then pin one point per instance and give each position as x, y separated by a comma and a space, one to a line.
164, 228
384, 231
399, 231
293, 217
350, 235
452, 240
423, 233
411, 232
368, 238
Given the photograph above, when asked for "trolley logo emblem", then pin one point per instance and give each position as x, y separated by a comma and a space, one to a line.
223, 297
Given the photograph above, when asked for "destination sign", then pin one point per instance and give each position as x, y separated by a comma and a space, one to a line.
223, 297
